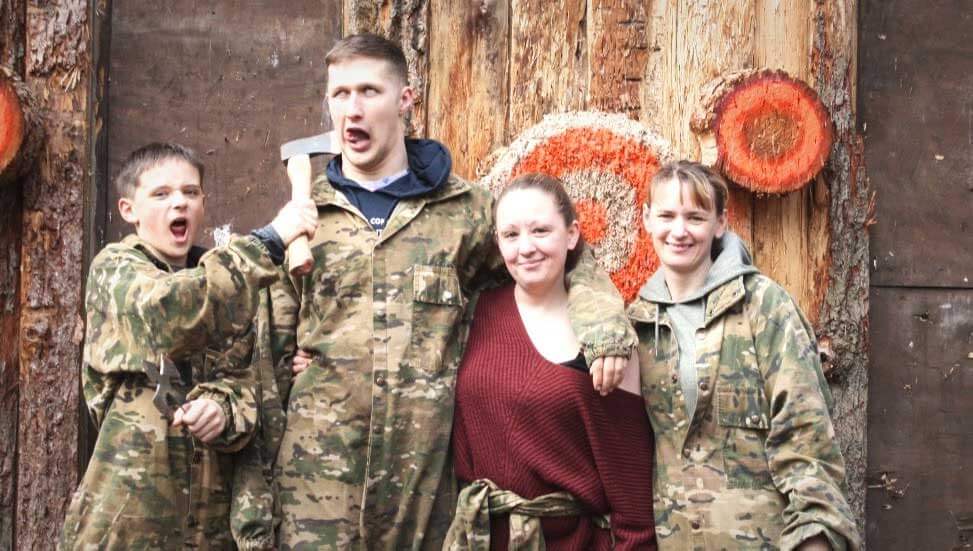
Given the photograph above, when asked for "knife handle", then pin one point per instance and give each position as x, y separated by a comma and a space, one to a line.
299, 251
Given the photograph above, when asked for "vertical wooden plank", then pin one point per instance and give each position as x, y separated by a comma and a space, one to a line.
690, 44
238, 78
468, 68
95, 217
12, 25
843, 317
58, 72
619, 45
405, 22
791, 234
920, 439
548, 60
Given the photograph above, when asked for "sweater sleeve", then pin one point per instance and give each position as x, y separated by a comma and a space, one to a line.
622, 444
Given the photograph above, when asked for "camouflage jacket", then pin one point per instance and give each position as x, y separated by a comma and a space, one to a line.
149, 485
364, 460
757, 467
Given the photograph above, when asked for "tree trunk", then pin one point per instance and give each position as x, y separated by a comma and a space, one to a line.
58, 69
12, 13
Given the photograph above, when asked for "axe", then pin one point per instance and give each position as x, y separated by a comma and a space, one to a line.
297, 154
162, 375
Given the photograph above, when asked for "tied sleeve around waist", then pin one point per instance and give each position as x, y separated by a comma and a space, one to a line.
470, 530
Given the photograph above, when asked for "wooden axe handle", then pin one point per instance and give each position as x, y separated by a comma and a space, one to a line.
299, 251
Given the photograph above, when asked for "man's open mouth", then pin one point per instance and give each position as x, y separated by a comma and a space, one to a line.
357, 138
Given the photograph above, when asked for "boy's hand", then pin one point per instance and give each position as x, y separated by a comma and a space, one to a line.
298, 217
302, 360
607, 373
204, 418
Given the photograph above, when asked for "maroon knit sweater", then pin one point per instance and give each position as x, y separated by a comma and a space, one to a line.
535, 427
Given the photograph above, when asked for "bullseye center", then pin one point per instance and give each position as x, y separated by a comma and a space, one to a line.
771, 134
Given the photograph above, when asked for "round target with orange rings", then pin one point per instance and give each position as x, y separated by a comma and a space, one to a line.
606, 162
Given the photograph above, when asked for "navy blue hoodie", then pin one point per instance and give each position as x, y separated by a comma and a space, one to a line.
429, 167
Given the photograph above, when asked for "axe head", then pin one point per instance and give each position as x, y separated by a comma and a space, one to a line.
166, 398
322, 144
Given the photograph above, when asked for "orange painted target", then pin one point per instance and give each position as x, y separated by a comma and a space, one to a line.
606, 162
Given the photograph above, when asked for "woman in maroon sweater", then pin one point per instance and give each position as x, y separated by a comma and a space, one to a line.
538, 452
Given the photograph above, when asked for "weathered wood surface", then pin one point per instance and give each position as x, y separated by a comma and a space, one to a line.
842, 323
237, 79
917, 114
650, 60
920, 438
57, 71
12, 27
916, 81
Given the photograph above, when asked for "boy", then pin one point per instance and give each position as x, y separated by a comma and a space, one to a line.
403, 246
166, 361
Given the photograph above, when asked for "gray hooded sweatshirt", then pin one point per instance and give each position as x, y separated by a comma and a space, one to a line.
730, 260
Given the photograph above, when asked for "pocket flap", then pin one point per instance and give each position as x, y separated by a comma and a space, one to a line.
437, 285
742, 407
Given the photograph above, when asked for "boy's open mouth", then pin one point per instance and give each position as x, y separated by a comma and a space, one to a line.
179, 227
357, 138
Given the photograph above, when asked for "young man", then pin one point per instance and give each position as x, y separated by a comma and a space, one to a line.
402, 246
166, 361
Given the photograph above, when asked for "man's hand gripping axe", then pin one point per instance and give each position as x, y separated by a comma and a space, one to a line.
297, 156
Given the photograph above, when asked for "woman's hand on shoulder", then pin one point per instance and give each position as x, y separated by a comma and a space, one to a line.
611, 372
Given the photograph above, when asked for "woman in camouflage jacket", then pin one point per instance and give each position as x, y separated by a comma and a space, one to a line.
745, 451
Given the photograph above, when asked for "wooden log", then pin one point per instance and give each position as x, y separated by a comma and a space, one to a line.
763, 129
59, 73
844, 306
21, 132
12, 25
471, 66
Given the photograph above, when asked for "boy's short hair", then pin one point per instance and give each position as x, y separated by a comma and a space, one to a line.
371, 46
707, 187
149, 156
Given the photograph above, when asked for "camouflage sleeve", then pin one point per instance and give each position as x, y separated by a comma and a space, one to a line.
597, 311
99, 390
802, 453
136, 310
232, 386
483, 267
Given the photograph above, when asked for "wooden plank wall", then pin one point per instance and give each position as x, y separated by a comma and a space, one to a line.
492, 68
916, 98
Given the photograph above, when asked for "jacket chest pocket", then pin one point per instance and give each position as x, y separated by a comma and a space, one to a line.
437, 305
742, 413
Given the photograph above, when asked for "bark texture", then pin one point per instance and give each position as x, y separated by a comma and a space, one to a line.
12, 14
843, 319
58, 67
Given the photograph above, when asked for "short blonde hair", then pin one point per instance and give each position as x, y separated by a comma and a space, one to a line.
707, 187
